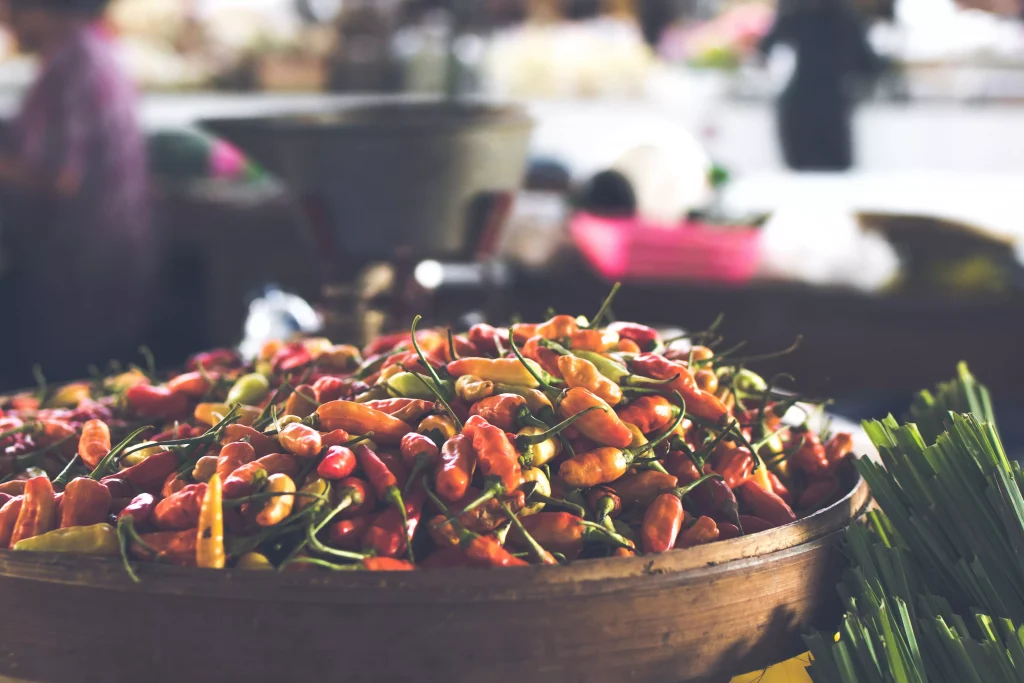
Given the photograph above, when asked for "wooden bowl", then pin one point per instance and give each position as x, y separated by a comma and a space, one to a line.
702, 614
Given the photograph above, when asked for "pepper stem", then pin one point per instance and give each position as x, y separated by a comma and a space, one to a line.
493, 489
542, 555
566, 505
651, 445
556, 347
347, 500
103, 465
62, 478
421, 463
125, 532
423, 359
602, 533
529, 368
523, 440
451, 346
394, 496
437, 394
684, 490
601, 312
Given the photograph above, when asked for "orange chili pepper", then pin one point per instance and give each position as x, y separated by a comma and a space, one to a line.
405, 409
735, 464
494, 453
94, 443
260, 442
627, 346
702, 531
455, 468
558, 327
233, 456
501, 411
387, 564
85, 502
662, 521
838, 448
356, 418
486, 551
648, 413
599, 466
300, 440
302, 402
601, 426
597, 341
38, 512
149, 474
579, 372
9, 513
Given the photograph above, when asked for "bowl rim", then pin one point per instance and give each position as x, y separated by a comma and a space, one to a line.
455, 584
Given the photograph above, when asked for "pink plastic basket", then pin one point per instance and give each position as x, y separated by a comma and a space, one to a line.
629, 249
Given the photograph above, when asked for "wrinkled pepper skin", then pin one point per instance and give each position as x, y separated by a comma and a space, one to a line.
8, 517
86, 502
180, 511
405, 409
601, 426
501, 410
494, 453
150, 474
455, 468
579, 372
38, 512
700, 403
386, 536
232, 456
643, 487
646, 338
648, 413
599, 466
356, 418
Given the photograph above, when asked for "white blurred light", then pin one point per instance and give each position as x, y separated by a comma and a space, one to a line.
429, 274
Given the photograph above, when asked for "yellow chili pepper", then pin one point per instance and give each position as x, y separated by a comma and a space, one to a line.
254, 562
212, 413
639, 440
579, 372
471, 388
205, 468
314, 487
389, 372
504, 370
280, 506
540, 453
98, 539
138, 456
440, 423
70, 395
210, 534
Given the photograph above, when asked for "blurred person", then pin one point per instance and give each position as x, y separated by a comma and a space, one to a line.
73, 198
815, 110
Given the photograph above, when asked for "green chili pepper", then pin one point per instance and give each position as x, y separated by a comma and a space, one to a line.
413, 385
98, 539
249, 390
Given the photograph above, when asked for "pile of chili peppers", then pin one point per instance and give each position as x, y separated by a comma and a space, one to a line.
537, 444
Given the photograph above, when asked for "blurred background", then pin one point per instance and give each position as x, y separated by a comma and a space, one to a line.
849, 171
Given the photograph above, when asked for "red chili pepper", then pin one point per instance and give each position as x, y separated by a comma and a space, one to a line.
348, 533
838, 449
338, 463
727, 530
395, 464
85, 502
700, 403
735, 464
387, 564
455, 468
641, 488
419, 453
362, 492
290, 359
150, 474
385, 536
648, 413
381, 478
330, 388
172, 484
486, 551
501, 411
604, 502
338, 437
302, 402
148, 401
118, 488
753, 525
176, 547
488, 341
191, 384
561, 532
715, 499
140, 509
765, 504
232, 456
647, 338
662, 521
385, 343
779, 489
811, 457
496, 456
180, 511
545, 357
218, 358
446, 558
819, 493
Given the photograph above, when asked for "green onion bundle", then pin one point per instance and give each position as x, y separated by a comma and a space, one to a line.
935, 590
